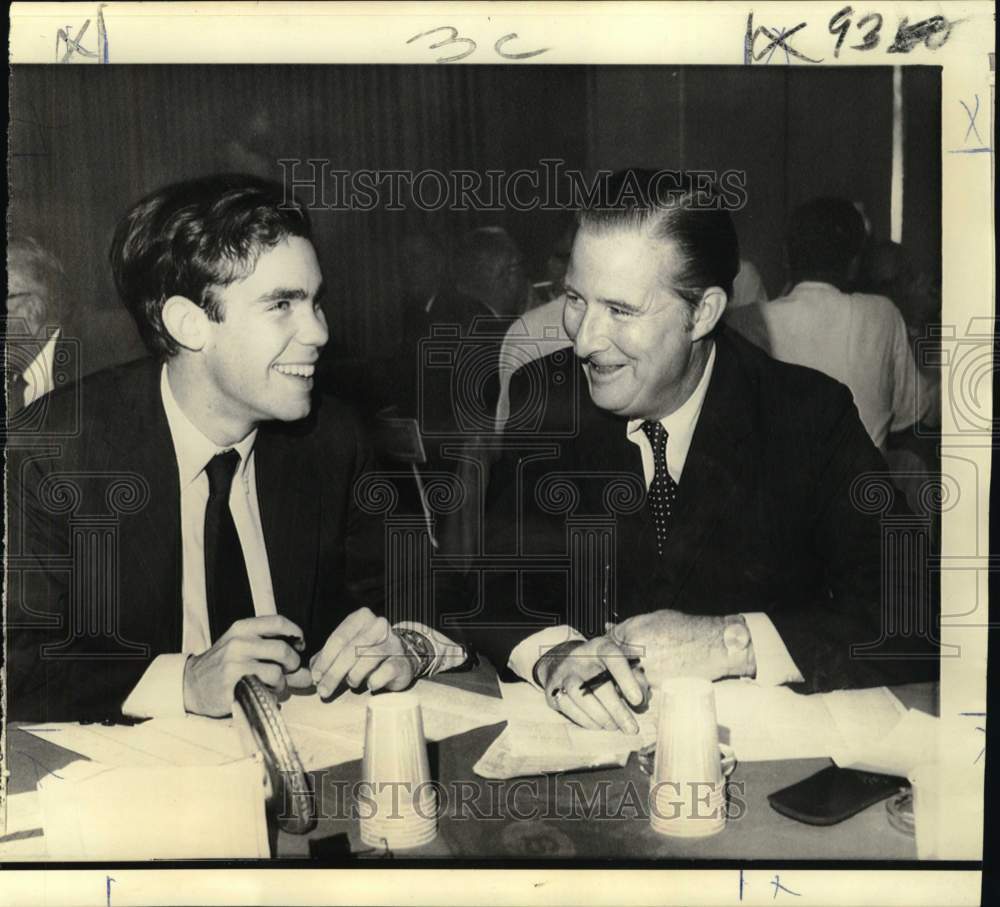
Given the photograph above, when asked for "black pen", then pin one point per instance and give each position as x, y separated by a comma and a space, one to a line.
588, 686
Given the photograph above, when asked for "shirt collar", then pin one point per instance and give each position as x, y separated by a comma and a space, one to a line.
193, 449
38, 377
681, 423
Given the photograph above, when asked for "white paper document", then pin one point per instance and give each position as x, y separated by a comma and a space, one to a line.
328, 733
23, 837
759, 722
159, 742
92, 811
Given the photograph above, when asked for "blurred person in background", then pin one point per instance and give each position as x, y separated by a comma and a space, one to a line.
857, 338
37, 308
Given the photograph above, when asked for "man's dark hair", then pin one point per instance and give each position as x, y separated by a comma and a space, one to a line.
824, 237
189, 238
679, 207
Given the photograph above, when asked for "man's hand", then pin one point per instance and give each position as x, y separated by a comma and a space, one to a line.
249, 646
363, 647
673, 644
562, 671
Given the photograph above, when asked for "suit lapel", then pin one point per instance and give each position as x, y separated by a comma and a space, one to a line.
289, 509
715, 464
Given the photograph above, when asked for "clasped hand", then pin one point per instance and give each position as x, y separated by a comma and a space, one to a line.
668, 644
565, 669
362, 648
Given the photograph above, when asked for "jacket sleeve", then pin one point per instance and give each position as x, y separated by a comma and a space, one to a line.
59, 664
874, 620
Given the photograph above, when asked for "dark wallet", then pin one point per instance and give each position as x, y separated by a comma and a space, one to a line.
834, 794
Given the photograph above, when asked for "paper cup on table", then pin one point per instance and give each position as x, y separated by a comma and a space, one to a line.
687, 791
400, 804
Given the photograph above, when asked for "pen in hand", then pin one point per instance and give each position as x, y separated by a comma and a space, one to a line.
588, 686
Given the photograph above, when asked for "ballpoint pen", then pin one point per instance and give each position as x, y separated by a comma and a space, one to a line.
588, 686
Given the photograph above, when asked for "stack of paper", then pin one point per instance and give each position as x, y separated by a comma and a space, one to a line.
159, 742
328, 733
758, 722
22, 839
96, 812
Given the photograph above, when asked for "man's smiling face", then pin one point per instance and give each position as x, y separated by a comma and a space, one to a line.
260, 359
632, 332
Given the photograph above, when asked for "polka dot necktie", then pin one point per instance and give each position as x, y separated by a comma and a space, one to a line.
662, 494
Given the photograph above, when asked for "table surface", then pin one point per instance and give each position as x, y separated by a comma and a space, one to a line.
588, 815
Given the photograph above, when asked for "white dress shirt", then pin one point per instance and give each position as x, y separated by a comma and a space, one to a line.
39, 378
160, 690
774, 663
748, 287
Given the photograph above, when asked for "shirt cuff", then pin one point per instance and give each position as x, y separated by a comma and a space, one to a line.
774, 663
160, 691
527, 652
447, 654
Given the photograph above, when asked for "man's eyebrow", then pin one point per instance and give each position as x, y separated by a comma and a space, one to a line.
291, 293
619, 304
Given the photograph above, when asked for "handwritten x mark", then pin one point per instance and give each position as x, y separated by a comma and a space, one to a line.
73, 44
972, 114
780, 39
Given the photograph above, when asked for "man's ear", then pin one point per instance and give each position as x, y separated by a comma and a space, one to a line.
186, 322
706, 316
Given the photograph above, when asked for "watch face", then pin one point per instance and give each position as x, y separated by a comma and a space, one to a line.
736, 636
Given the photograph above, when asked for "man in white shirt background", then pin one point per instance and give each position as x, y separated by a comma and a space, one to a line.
748, 556
860, 339
239, 544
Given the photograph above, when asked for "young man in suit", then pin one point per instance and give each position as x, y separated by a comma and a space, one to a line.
222, 497
743, 545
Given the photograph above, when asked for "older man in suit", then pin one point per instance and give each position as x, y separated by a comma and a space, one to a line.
749, 554
39, 358
238, 545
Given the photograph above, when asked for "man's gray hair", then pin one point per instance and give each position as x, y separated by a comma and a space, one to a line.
44, 268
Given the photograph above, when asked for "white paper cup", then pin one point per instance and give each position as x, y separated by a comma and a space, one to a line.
687, 787
400, 810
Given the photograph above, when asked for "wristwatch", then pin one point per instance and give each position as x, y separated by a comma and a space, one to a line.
418, 647
736, 639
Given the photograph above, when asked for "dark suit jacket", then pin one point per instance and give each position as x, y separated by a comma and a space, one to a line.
766, 519
95, 546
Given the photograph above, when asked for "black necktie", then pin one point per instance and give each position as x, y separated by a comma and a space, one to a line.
227, 586
662, 494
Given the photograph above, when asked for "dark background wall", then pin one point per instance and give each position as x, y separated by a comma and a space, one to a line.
87, 141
